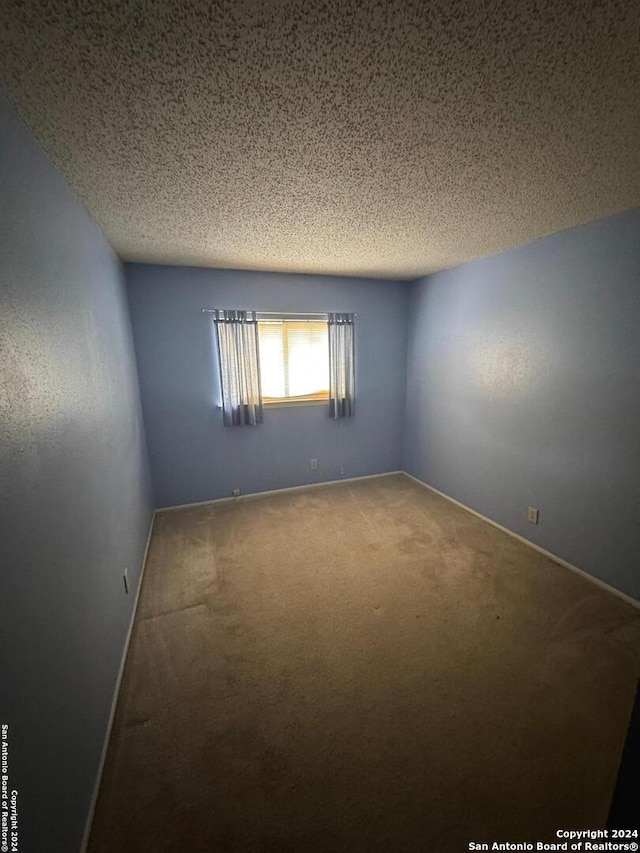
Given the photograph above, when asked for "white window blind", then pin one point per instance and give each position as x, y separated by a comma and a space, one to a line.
294, 359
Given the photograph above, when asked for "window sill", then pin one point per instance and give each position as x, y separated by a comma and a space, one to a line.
284, 404
287, 404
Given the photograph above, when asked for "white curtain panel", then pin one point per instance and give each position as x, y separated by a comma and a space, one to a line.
237, 333
342, 374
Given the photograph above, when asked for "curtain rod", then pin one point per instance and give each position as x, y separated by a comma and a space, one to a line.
279, 313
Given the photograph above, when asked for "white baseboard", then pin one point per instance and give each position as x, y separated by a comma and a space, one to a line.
253, 495
114, 701
545, 553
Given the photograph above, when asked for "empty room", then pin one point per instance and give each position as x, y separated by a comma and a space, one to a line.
320, 426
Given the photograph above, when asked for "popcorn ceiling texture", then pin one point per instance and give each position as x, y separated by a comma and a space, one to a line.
383, 139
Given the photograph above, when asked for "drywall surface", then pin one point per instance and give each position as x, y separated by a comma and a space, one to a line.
193, 457
75, 501
523, 389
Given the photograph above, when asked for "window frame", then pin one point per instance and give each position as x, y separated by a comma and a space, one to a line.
285, 402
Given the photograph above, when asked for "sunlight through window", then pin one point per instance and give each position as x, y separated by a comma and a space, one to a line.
294, 360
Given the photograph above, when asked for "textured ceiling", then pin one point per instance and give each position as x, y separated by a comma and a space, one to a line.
346, 136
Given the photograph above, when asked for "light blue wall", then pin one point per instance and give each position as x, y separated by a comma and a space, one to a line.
75, 501
523, 389
193, 457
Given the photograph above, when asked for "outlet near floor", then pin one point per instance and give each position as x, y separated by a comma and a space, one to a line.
532, 515
314, 464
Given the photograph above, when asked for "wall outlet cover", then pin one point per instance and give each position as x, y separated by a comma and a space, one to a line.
125, 578
532, 515
314, 464
236, 493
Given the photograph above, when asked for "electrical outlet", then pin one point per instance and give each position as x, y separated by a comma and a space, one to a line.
236, 493
314, 464
532, 515
125, 578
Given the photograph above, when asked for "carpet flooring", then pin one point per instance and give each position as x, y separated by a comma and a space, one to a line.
361, 667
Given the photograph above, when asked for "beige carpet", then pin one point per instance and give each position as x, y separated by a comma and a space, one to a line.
361, 667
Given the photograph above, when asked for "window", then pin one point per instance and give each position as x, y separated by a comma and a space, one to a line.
294, 359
